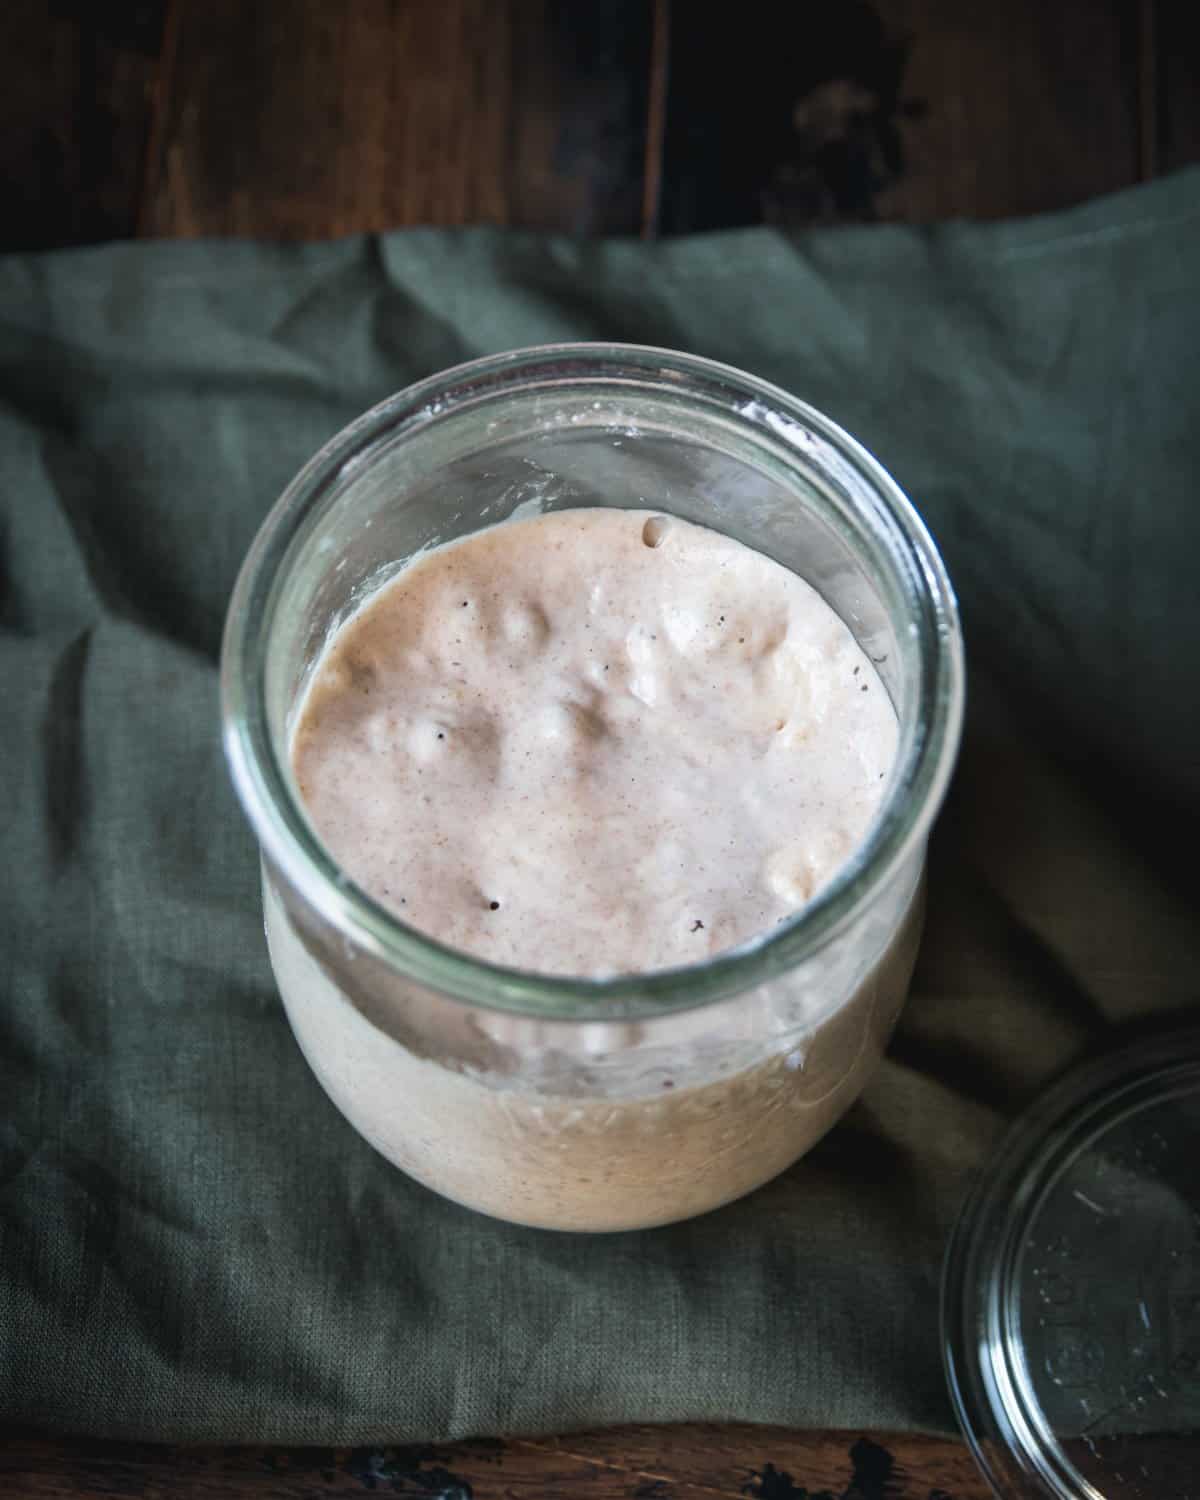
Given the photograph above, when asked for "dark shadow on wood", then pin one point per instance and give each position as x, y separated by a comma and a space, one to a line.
75, 85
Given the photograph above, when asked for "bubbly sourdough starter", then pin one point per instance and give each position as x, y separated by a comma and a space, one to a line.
595, 741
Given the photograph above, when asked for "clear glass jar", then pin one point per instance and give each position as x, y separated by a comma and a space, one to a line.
616, 1103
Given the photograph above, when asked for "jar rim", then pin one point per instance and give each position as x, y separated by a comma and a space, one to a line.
916, 787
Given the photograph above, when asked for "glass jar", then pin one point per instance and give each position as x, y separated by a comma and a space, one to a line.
609, 1103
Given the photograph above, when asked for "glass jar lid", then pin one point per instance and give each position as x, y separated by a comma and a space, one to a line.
1071, 1294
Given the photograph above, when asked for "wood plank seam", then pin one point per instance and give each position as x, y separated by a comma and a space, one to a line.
656, 117
152, 155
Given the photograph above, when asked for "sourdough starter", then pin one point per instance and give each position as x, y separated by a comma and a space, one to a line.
594, 742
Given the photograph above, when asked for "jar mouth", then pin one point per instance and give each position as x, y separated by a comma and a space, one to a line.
925, 754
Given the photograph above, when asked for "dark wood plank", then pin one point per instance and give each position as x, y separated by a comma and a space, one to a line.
1027, 107
303, 118
579, 80
295, 117
776, 1464
1177, 106
898, 109
1148, 95
633, 1463
76, 95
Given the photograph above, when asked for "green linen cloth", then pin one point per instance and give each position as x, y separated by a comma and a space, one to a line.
193, 1243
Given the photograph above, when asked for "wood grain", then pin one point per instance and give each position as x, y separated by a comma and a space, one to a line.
1028, 107
633, 1463
310, 119
76, 89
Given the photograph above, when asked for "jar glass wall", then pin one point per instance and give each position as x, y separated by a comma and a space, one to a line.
592, 1103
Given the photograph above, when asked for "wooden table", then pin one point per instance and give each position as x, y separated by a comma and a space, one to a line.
307, 118
632, 1463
